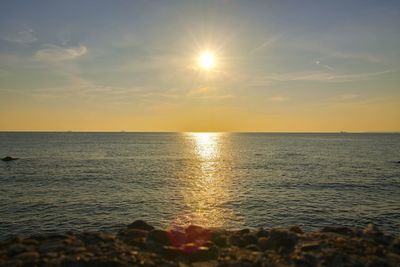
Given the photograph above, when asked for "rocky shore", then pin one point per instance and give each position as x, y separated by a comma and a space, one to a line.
140, 244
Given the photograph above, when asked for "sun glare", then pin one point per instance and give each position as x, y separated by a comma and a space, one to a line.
206, 60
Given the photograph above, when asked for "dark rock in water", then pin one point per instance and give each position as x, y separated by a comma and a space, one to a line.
140, 224
8, 158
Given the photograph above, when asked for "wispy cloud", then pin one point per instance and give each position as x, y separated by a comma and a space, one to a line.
57, 53
23, 37
324, 76
319, 63
268, 42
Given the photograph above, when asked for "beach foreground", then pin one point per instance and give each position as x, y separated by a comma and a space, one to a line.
140, 244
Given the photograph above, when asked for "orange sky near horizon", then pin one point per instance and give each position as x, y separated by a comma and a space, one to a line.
200, 66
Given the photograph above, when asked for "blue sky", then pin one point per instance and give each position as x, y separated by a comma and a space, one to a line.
282, 65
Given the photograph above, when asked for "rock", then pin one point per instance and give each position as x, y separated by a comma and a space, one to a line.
262, 233
263, 242
250, 239
133, 233
244, 231
176, 238
338, 230
253, 247
29, 256
31, 242
140, 224
237, 240
190, 248
296, 229
170, 252
203, 254
8, 158
197, 234
371, 229
209, 244
311, 246
51, 246
219, 238
280, 240
396, 244
277, 247
372, 232
16, 248
158, 236
99, 263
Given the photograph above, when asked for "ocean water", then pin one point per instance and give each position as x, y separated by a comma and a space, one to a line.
93, 181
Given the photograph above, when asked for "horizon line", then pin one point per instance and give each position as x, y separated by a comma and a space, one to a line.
272, 132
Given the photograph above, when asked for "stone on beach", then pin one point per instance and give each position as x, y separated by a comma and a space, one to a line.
198, 246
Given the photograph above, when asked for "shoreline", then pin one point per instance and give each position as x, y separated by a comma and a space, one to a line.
140, 244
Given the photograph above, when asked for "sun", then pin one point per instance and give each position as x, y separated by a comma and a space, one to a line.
206, 60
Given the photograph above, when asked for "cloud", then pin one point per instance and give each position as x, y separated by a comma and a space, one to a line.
22, 37
319, 63
324, 76
268, 42
57, 53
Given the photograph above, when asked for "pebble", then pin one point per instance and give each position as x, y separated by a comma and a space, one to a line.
197, 246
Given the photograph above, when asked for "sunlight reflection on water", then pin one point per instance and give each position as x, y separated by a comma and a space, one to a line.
209, 188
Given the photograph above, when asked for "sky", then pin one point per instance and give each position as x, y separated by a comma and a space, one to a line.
280, 66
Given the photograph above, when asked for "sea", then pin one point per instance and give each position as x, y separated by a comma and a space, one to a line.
104, 181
